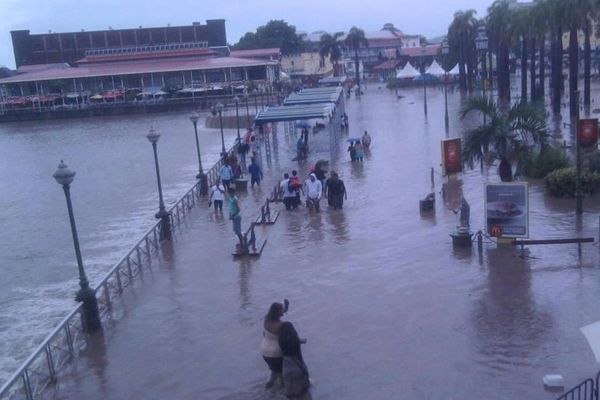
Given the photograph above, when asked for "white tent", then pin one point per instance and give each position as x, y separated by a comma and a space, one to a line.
408, 72
435, 69
454, 71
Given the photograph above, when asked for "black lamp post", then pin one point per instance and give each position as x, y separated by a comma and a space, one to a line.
91, 315
162, 214
247, 109
237, 117
445, 53
423, 49
219, 108
201, 175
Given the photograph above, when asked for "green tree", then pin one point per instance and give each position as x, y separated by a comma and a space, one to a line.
330, 46
500, 32
354, 40
510, 135
276, 33
461, 34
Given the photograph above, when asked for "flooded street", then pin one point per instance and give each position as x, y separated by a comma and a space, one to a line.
389, 308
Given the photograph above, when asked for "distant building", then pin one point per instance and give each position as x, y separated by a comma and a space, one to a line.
306, 64
49, 48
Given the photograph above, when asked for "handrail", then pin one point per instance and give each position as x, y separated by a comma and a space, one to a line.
61, 344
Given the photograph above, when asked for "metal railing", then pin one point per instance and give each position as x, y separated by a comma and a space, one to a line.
40, 370
584, 391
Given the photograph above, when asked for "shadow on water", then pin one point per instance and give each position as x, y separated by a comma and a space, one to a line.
509, 325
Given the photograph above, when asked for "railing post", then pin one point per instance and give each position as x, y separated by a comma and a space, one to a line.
119, 284
50, 360
27, 385
129, 269
106, 296
139, 256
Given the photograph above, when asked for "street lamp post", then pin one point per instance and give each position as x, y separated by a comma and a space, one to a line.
219, 108
247, 109
237, 117
162, 214
201, 175
578, 190
91, 315
423, 49
445, 53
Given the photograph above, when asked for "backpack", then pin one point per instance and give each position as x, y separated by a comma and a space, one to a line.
290, 186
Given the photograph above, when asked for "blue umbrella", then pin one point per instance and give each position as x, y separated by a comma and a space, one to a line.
426, 77
353, 139
302, 124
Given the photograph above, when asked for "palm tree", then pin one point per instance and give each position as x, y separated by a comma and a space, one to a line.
461, 34
354, 40
556, 23
499, 29
540, 27
521, 23
510, 135
330, 46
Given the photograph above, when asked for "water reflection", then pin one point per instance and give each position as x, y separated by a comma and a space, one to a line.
338, 226
509, 325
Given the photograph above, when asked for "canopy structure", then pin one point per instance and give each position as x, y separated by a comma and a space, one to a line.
435, 69
295, 112
454, 71
314, 96
408, 72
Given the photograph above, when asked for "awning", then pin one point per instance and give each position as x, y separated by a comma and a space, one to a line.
313, 96
293, 113
408, 72
435, 69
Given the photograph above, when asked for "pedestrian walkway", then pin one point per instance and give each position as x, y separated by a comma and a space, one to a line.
389, 309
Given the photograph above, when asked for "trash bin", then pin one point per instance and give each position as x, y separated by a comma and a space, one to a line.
241, 185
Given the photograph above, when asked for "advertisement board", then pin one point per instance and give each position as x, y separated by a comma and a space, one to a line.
451, 156
588, 132
507, 210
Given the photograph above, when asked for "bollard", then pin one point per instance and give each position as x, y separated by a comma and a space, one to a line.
432, 179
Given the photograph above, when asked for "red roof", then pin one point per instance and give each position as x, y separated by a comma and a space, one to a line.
432, 50
100, 58
389, 64
270, 52
136, 67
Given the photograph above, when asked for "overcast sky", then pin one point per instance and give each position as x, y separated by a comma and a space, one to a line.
428, 17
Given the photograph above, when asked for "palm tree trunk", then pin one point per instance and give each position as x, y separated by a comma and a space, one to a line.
523, 69
542, 87
503, 72
505, 170
532, 70
462, 78
557, 77
573, 69
587, 66
356, 69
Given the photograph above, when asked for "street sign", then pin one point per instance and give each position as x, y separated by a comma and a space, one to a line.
451, 156
507, 210
588, 132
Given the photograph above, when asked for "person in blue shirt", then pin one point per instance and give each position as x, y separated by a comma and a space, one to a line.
226, 175
256, 174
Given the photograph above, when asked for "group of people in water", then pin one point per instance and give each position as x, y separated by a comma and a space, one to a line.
314, 188
358, 147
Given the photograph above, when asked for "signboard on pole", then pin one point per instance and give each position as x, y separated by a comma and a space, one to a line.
587, 132
507, 210
451, 156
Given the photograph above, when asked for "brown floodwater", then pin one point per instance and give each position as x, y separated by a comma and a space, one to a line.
390, 309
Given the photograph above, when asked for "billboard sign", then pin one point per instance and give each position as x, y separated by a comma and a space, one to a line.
451, 156
588, 132
507, 210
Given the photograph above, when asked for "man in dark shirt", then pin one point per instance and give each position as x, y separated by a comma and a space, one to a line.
335, 191
255, 173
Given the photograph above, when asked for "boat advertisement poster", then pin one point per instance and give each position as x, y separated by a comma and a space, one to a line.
507, 210
451, 156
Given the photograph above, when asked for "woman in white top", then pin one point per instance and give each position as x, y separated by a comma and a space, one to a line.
271, 351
